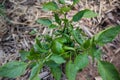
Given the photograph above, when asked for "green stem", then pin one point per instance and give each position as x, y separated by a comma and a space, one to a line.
68, 48
65, 24
46, 58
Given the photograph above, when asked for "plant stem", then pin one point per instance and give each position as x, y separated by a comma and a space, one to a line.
65, 24
46, 58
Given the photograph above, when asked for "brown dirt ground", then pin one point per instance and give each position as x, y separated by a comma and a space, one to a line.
22, 15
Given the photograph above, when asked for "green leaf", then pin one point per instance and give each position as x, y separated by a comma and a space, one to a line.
51, 6
13, 69
57, 73
37, 41
87, 44
81, 61
92, 49
35, 72
58, 59
95, 52
45, 22
108, 71
62, 1
78, 15
39, 49
33, 54
76, 34
89, 14
34, 31
24, 55
52, 26
46, 45
65, 9
43, 45
71, 71
57, 19
48, 38
84, 13
107, 35
57, 47
75, 1
51, 64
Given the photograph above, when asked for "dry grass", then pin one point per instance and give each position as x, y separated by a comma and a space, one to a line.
22, 14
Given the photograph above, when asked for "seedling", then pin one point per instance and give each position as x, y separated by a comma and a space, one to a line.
67, 45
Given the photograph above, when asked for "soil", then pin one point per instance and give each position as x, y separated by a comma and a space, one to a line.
20, 19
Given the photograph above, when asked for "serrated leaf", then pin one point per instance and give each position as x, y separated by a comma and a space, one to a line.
84, 13
57, 73
52, 6
81, 61
70, 70
13, 69
77, 36
108, 71
107, 35
57, 19
58, 59
35, 72
45, 22
52, 26
24, 55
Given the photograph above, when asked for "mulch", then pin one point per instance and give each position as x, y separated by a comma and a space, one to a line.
20, 20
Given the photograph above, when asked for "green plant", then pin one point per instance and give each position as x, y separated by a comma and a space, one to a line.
67, 45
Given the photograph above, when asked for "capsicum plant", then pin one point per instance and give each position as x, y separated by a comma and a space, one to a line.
67, 45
